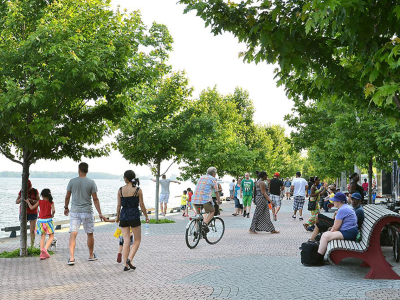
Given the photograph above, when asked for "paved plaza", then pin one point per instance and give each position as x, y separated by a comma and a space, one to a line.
240, 266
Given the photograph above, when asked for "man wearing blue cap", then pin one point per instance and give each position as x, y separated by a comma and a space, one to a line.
356, 200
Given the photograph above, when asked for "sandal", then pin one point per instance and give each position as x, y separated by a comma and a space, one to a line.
234, 215
305, 226
252, 232
128, 262
274, 231
71, 262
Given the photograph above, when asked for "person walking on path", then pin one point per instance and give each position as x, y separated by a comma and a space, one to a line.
45, 223
261, 218
300, 192
314, 196
365, 187
247, 187
31, 214
202, 195
287, 185
238, 199
275, 189
232, 189
130, 196
164, 195
82, 189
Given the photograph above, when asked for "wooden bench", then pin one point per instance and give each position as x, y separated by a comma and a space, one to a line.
369, 248
57, 225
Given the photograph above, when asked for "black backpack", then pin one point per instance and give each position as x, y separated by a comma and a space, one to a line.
309, 253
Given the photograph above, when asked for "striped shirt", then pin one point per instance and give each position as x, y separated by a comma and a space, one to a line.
205, 186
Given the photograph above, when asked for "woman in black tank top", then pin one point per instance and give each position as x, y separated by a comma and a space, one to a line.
130, 197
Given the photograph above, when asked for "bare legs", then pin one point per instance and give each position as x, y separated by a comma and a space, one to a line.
326, 238
49, 241
72, 243
129, 252
32, 224
163, 208
90, 244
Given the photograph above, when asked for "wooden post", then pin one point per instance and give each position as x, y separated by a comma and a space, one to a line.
157, 190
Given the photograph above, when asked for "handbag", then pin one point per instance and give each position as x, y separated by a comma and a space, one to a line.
312, 205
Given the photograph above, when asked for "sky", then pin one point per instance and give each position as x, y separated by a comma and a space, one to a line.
208, 61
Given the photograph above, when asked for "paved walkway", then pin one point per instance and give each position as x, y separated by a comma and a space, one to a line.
240, 266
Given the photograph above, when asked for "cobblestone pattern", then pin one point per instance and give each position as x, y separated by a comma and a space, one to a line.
240, 266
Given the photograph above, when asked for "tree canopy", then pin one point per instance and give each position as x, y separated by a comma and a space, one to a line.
67, 70
325, 50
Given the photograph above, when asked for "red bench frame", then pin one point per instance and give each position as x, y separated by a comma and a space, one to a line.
373, 256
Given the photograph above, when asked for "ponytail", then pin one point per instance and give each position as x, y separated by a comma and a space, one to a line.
47, 193
131, 176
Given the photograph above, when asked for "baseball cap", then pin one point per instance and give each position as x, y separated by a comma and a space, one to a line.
356, 196
276, 174
339, 197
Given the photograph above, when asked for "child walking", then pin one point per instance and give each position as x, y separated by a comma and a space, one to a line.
45, 222
184, 206
121, 241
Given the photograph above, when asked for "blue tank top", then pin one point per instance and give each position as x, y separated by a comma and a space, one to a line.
130, 207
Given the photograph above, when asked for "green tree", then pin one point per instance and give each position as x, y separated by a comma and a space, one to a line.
324, 49
157, 132
217, 126
66, 73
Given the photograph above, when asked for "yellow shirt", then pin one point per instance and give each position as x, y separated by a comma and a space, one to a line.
184, 199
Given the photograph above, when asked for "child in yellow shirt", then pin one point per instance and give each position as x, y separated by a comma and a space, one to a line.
184, 207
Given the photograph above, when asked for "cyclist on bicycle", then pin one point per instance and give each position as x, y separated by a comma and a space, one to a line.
203, 195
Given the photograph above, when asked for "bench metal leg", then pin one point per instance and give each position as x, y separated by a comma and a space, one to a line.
13, 234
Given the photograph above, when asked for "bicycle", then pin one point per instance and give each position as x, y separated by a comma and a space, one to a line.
195, 230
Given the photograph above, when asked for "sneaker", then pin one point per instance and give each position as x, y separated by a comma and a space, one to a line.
46, 254
42, 254
294, 217
205, 228
119, 257
93, 258
248, 215
300, 218
244, 214
71, 262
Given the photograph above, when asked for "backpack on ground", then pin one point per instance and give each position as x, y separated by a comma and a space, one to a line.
309, 253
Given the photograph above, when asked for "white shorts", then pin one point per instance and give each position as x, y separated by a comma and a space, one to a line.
287, 190
164, 198
87, 219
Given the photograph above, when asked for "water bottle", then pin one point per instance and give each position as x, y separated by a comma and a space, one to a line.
146, 229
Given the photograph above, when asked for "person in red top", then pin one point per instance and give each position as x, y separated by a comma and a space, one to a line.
33, 197
45, 222
190, 194
365, 186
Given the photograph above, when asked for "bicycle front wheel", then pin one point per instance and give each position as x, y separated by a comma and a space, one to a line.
193, 233
217, 229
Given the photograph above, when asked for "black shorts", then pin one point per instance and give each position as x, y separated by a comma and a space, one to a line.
324, 223
130, 223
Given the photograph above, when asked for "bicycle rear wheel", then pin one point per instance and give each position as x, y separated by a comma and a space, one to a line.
217, 229
192, 234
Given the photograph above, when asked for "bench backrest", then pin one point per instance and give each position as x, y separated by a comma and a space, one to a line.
373, 214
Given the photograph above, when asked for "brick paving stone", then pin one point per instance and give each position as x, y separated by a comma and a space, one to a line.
240, 266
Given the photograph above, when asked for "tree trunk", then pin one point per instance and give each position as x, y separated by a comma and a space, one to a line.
156, 205
370, 181
24, 192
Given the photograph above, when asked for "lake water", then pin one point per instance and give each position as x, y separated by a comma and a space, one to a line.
107, 193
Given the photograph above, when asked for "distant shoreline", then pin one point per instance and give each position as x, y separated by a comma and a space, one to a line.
63, 175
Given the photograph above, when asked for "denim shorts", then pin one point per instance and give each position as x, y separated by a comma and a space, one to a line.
76, 219
350, 234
